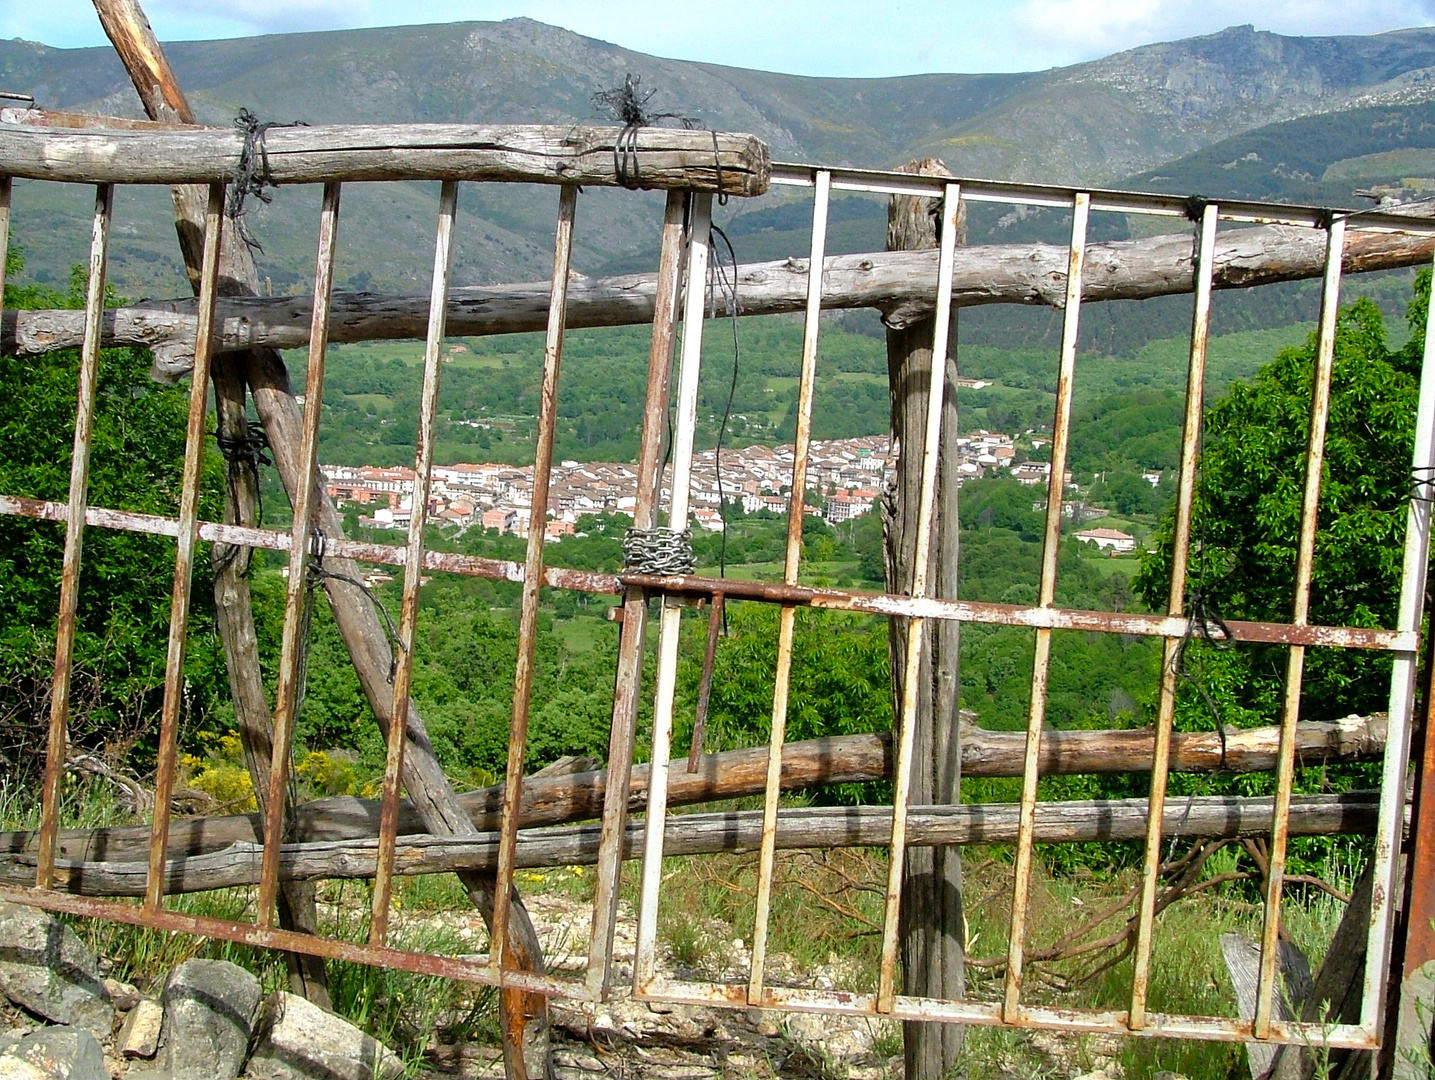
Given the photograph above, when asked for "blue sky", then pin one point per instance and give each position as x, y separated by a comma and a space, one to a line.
805, 37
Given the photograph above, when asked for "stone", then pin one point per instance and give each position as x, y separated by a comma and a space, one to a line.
139, 1037
13, 1068
56, 1053
123, 996
300, 1041
210, 1009
47, 970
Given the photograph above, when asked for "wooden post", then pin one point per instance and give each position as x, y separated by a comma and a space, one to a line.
234, 616
523, 1017
129, 30
933, 960
552, 798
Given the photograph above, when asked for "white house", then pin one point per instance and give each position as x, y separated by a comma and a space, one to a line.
1108, 539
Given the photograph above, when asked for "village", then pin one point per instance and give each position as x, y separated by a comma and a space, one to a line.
846, 475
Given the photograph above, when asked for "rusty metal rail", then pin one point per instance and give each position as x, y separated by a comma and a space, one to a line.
1044, 617
682, 281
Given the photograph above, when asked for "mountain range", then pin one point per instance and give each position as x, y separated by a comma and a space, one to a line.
1238, 112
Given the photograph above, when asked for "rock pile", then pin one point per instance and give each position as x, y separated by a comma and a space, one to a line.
211, 1022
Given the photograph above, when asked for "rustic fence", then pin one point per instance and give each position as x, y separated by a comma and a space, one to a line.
226, 339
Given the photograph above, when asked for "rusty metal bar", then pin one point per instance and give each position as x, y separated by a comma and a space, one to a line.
301, 540
698, 743
627, 685
413, 563
1295, 663
1051, 543
1094, 1021
184, 550
796, 510
974, 611
1176, 605
1053, 618
684, 425
1420, 935
1145, 203
450, 967
921, 564
74, 534
5, 192
533, 570
837, 1002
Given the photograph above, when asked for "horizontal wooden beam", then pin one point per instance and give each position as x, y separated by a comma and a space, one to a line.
843, 759
901, 284
705, 834
652, 157
56, 118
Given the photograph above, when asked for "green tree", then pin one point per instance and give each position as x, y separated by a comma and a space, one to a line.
1247, 516
840, 682
137, 450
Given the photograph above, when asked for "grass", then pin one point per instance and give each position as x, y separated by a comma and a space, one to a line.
826, 911
582, 633
825, 924
404, 1011
810, 573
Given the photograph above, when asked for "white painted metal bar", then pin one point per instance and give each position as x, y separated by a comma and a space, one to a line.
989, 1014
684, 429
1295, 658
5, 193
1146, 203
921, 565
787, 618
1176, 605
1402, 695
1051, 543
627, 683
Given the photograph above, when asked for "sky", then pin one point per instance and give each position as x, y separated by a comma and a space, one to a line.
852, 38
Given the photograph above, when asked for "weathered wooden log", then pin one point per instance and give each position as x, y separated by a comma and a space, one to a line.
650, 157
843, 759
234, 617
900, 283
706, 834
59, 118
932, 925
523, 1017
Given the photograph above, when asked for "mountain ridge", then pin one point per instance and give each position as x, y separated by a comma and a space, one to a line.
1103, 122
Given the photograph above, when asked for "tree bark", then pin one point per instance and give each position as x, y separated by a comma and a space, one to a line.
932, 926
899, 283
234, 616
127, 27
1074, 822
523, 1016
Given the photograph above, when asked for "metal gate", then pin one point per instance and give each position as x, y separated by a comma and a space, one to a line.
683, 283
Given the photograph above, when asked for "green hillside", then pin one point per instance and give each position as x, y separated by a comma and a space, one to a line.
1160, 107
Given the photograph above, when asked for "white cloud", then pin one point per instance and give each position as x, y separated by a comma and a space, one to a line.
1084, 29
